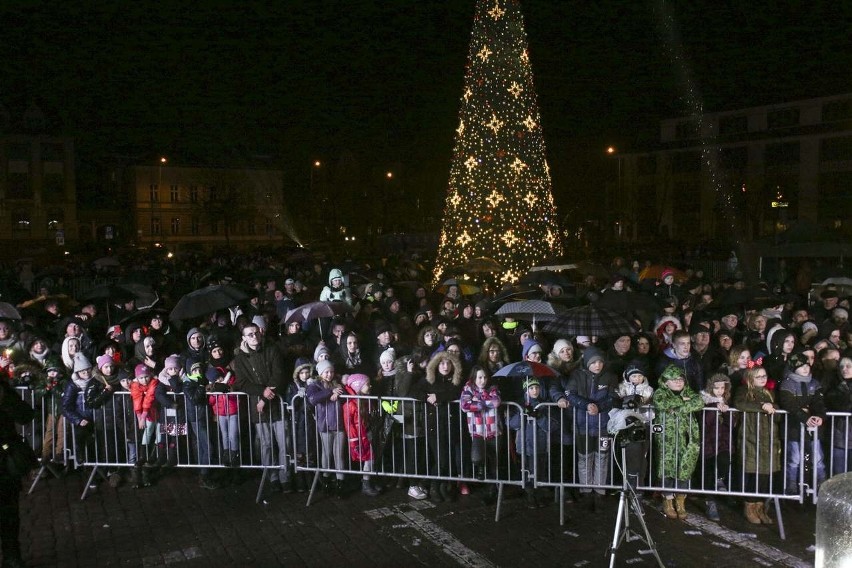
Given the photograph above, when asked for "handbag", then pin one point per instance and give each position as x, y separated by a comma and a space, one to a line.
18, 458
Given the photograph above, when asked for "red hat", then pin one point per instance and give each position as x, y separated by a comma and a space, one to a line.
666, 272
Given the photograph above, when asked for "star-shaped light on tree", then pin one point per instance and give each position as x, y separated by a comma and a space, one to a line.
550, 238
455, 199
529, 123
518, 166
484, 53
460, 129
510, 276
525, 56
496, 12
494, 198
515, 90
509, 238
530, 198
471, 163
467, 94
463, 239
494, 124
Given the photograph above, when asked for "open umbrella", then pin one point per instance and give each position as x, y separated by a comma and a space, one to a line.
465, 288
525, 369
144, 295
317, 310
838, 281
107, 292
655, 272
8, 311
206, 301
479, 265
534, 310
590, 320
64, 301
543, 277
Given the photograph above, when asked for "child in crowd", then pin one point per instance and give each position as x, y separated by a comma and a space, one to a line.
355, 417
716, 438
760, 436
142, 391
173, 418
801, 396
303, 416
480, 399
636, 394
324, 395
677, 450
539, 436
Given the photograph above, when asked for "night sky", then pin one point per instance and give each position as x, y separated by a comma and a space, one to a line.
382, 79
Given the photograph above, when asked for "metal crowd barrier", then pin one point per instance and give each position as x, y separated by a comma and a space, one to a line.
47, 433
409, 439
415, 442
181, 434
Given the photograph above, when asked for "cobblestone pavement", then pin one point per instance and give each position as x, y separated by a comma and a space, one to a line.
178, 523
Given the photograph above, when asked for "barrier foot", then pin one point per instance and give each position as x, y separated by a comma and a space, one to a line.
778, 517
499, 502
260, 487
37, 478
89, 483
314, 484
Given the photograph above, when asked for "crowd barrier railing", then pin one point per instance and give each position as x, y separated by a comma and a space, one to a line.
409, 440
216, 431
47, 433
711, 453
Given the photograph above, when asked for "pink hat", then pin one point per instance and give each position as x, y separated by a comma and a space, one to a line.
104, 360
666, 272
141, 371
357, 381
172, 362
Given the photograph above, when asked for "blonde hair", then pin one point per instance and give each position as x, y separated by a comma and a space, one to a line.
751, 393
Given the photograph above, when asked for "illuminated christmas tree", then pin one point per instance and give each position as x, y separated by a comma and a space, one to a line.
499, 201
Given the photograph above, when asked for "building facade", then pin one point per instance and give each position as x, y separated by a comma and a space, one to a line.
207, 208
743, 173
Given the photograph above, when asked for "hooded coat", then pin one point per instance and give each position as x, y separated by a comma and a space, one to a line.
677, 452
446, 390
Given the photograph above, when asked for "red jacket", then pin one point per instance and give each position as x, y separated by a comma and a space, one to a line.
355, 422
143, 398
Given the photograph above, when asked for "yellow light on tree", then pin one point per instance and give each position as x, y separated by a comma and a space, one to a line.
499, 201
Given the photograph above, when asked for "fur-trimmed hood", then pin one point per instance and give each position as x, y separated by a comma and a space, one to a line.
432, 368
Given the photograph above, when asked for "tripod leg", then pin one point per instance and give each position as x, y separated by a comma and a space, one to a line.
617, 535
640, 516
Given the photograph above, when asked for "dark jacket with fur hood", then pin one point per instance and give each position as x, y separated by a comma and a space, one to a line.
447, 389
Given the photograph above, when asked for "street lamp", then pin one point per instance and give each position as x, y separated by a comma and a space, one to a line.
613, 151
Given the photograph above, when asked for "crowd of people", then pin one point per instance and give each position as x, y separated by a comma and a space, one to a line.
696, 345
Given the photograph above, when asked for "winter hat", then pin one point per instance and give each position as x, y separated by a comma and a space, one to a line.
828, 293
81, 363
289, 281
633, 369
212, 344
381, 327
560, 344
584, 340
104, 360
530, 345
665, 273
590, 355
192, 331
114, 331
387, 356
320, 350
356, 381
141, 371
172, 361
259, 321
334, 273
840, 313
322, 366
797, 360
671, 373
531, 382
809, 326
302, 363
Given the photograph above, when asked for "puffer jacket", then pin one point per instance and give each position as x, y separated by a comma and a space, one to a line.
584, 388
481, 407
328, 413
446, 390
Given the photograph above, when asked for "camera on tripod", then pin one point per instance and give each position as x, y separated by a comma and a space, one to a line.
635, 431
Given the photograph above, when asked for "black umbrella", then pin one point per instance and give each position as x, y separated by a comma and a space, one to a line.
543, 277
108, 292
626, 303
590, 320
207, 300
8, 311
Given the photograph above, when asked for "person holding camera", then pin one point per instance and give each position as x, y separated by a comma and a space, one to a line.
635, 394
